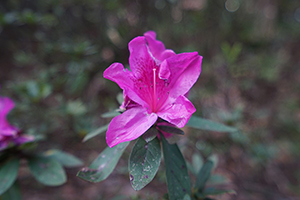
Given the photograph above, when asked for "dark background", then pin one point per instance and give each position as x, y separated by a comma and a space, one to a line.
53, 54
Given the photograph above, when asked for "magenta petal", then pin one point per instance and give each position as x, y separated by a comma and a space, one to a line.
157, 48
23, 139
129, 125
144, 68
6, 105
179, 113
164, 71
152, 35
185, 70
116, 72
127, 102
141, 60
9, 130
126, 80
139, 56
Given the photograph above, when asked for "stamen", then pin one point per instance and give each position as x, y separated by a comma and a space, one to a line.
154, 89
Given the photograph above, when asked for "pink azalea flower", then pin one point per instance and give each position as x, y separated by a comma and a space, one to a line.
8, 133
154, 88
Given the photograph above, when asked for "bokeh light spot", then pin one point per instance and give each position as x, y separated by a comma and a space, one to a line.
297, 15
232, 5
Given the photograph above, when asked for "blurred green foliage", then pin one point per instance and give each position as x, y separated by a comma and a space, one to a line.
53, 54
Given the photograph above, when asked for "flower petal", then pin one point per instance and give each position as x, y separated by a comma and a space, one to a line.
185, 69
9, 130
144, 68
127, 102
157, 48
164, 71
129, 125
140, 59
6, 105
179, 113
23, 139
126, 80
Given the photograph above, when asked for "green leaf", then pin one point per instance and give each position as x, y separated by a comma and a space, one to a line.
8, 174
47, 171
150, 134
186, 197
66, 159
120, 98
204, 124
190, 168
213, 158
217, 179
76, 108
95, 133
197, 162
231, 53
203, 175
103, 166
144, 162
110, 114
170, 129
178, 180
13, 193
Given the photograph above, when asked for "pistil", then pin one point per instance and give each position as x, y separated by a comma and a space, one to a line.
154, 90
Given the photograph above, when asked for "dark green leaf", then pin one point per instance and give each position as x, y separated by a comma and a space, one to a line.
204, 124
95, 132
203, 175
144, 162
166, 196
150, 134
111, 114
13, 193
47, 170
170, 129
178, 180
8, 174
66, 159
103, 166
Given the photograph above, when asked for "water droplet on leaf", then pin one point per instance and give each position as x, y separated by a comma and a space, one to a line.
131, 178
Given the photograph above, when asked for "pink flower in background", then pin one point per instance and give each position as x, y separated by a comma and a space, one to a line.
154, 88
8, 133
